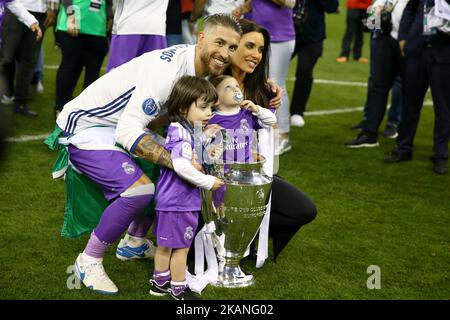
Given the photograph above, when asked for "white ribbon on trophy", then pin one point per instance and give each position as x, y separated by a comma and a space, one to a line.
204, 248
266, 148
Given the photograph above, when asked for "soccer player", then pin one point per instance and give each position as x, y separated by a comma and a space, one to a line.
115, 110
178, 200
139, 27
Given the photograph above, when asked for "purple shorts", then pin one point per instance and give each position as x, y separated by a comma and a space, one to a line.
175, 230
113, 170
126, 47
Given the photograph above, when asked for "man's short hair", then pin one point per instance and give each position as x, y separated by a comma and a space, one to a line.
221, 19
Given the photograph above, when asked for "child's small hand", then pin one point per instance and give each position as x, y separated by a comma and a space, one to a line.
217, 184
249, 105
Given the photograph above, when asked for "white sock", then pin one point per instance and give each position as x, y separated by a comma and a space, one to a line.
175, 283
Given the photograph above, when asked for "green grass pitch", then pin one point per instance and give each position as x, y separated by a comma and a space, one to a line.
396, 216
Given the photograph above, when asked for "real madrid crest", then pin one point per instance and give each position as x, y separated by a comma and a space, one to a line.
244, 125
128, 168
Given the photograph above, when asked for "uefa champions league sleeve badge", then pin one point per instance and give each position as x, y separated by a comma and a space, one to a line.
150, 107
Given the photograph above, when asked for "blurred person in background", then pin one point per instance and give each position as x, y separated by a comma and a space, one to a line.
81, 33
356, 13
394, 112
38, 76
139, 27
205, 8
310, 31
268, 14
386, 65
173, 23
426, 49
17, 9
188, 29
20, 51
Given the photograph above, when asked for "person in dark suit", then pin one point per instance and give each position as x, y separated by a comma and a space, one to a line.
386, 66
427, 65
309, 20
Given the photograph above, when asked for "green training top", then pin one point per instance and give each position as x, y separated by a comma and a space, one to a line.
90, 14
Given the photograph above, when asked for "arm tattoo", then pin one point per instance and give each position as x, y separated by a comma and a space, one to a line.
149, 150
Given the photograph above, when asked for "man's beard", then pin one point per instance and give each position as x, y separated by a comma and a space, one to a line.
206, 59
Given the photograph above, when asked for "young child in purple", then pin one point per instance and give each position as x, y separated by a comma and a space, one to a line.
178, 199
241, 118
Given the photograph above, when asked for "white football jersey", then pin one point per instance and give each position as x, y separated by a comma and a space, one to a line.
140, 17
130, 96
221, 6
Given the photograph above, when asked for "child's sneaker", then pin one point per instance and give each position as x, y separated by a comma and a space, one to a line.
93, 275
186, 294
125, 251
159, 290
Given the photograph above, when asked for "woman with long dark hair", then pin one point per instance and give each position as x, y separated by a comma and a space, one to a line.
290, 207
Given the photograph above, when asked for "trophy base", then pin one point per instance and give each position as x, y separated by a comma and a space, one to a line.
234, 277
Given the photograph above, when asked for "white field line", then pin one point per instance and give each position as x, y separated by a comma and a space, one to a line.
307, 113
319, 81
55, 67
28, 138
347, 110
336, 82
333, 111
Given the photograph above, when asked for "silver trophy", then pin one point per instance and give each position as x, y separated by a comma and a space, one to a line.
237, 210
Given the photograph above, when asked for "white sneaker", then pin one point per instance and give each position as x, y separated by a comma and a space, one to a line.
283, 147
127, 251
297, 121
93, 275
7, 99
40, 87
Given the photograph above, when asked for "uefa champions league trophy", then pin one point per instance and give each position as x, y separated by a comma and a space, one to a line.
237, 210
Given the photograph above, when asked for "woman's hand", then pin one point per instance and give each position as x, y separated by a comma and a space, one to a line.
275, 102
